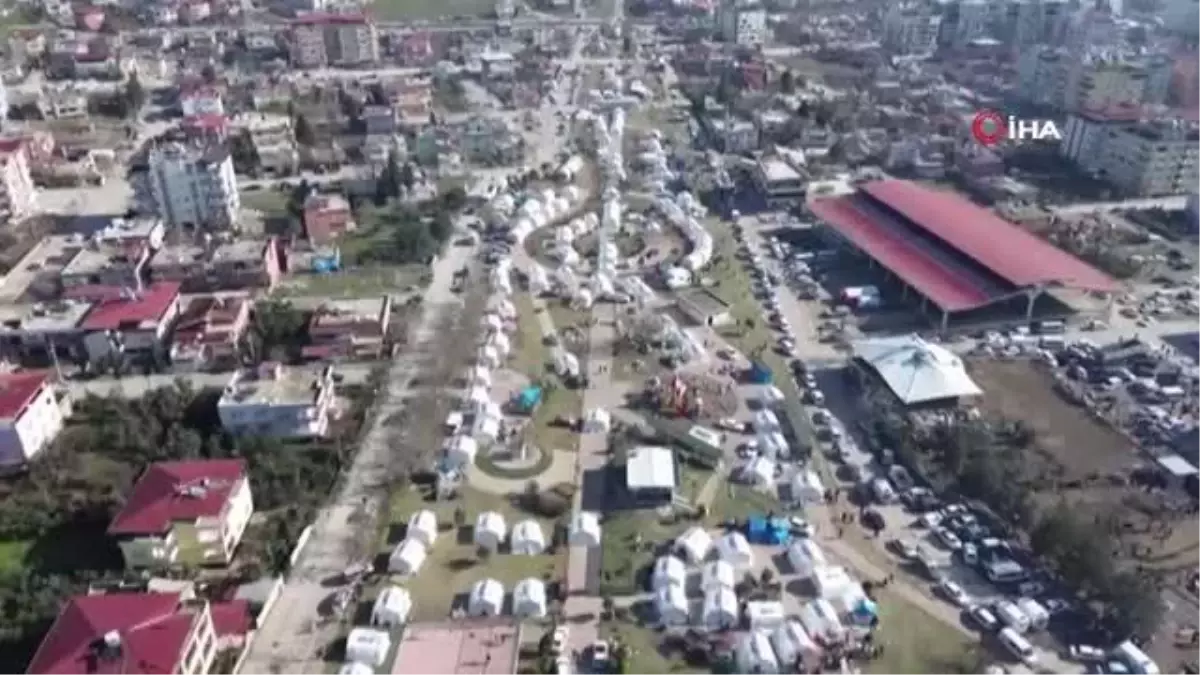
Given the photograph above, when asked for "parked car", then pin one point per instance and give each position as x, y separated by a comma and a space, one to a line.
983, 617
953, 592
903, 548
948, 538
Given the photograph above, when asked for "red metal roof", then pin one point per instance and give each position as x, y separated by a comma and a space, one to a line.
231, 617
114, 308
17, 391
1011, 253
939, 282
159, 497
152, 628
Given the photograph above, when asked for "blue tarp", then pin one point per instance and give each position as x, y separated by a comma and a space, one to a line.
864, 612
529, 398
760, 373
773, 532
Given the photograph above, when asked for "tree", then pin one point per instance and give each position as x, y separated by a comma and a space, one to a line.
1135, 605
303, 131
408, 176
786, 82
276, 327
135, 94
244, 154
209, 73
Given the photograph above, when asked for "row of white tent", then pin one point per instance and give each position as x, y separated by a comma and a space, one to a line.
679, 213
486, 598
491, 531
696, 545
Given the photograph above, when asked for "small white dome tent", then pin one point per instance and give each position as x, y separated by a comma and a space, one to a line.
807, 487
672, 606
820, 619
585, 529
486, 598
695, 544
733, 548
480, 377
668, 571
490, 530
598, 421
755, 655
368, 646
527, 538
720, 609
529, 598
391, 608
423, 527
765, 421
461, 450
831, 581
760, 472
805, 557
792, 642
717, 574
406, 559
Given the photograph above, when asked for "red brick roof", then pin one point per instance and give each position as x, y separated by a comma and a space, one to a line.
114, 309
17, 391
159, 498
153, 631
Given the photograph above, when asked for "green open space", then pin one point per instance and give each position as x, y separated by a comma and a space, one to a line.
272, 203
12, 555
358, 282
643, 648
531, 356
412, 10
627, 549
454, 564
914, 642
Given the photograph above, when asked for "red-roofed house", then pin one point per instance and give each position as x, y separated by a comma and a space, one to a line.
31, 416
191, 512
208, 330
127, 320
129, 633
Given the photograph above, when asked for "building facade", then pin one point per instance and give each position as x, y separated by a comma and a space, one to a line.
742, 24
910, 29
31, 416
1139, 158
18, 196
194, 185
1071, 81
275, 401
321, 40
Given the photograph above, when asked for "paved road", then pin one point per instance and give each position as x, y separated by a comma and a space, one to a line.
1169, 203
133, 386
291, 638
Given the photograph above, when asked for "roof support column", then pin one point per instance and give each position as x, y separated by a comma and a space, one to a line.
945, 321
1033, 296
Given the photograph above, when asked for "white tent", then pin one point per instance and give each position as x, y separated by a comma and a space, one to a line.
807, 487
585, 529
806, 557
529, 598
406, 559
486, 598
391, 607
764, 614
480, 377
527, 538
765, 421
598, 421
830, 581
486, 428
695, 544
487, 357
668, 571
492, 322
490, 530
770, 395
755, 655
477, 398
792, 642
849, 599
733, 548
772, 445
915, 370
717, 574
368, 646
539, 281
584, 299
820, 619
505, 308
461, 450
672, 606
760, 472
720, 610
501, 343
423, 527
355, 668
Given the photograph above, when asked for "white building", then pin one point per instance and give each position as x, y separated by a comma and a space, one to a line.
744, 25
391, 607
194, 185
322, 40
276, 401
18, 196
910, 29
916, 371
31, 416
527, 538
1138, 158
368, 646
529, 598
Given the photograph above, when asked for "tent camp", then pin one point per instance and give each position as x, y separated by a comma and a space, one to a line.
461, 450
408, 556
695, 544
480, 377
717, 574
792, 643
770, 396
765, 421
805, 557
755, 654
668, 571
764, 615
487, 357
368, 646
733, 548
501, 343
831, 581
598, 421
477, 399
807, 488
486, 598
529, 598
423, 527
585, 529
720, 610
490, 530
760, 472
486, 428
527, 538
773, 445
916, 371
672, 606
391, 607
355, 668
820, 619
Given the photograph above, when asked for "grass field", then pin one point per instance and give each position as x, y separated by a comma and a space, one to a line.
530, 357
915, 642
355, 283
644, 645
399, 10
12, 556
630, 538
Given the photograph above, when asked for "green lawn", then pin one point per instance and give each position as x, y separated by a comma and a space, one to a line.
359, 282
915, 642
737, 501
557, 402
400, 10
530, 357
272, 203
644, 645
12, 556
627, 548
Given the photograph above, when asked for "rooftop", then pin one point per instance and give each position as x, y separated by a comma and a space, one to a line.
915, 370
248, 251
650, 467
119, 308
43, 317
170, 492
777, 170
273, 384
206, 319
92, 259
178, 254
477, 646
325, 18
351, 315
152, 628
17, 391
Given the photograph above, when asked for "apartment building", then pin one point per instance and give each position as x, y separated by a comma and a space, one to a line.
743, 25
124, 320
273, 139
320, 40
963, 22
194, 185
1139, 158
349, 329
184, 512
138, 633
910, 29
18, 196
1072, 81
31, 415
208, 331
213, 265
277, 401
107, 264
1026, 23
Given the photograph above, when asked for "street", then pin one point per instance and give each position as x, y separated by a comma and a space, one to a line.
134, 386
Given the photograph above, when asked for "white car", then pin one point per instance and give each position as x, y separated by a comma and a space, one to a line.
948, 538
800, 526
599, 653
731, 424
930, 519
953, 592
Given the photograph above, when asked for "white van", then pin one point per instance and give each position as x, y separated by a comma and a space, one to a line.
1017, 646
1011, 616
